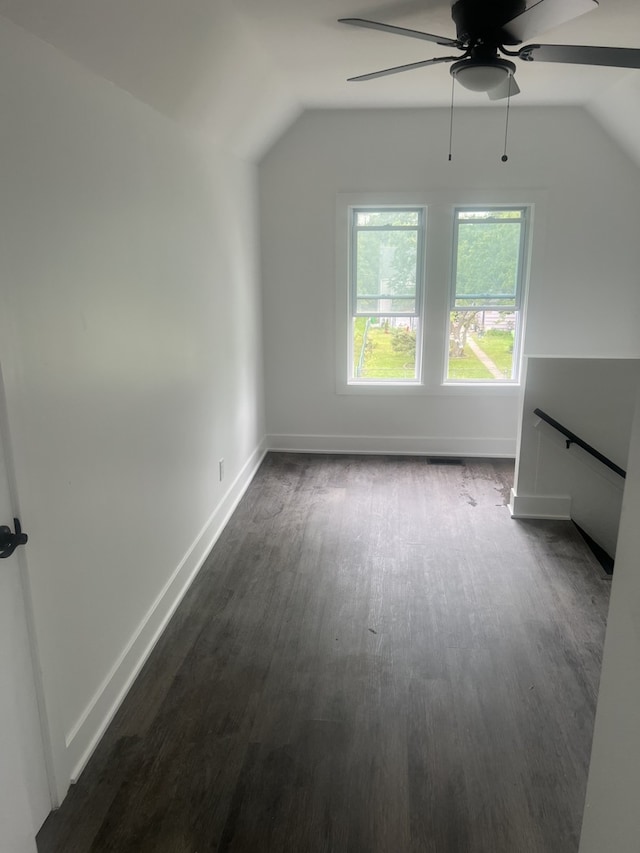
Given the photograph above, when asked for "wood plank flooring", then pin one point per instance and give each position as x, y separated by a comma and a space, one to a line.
374, 659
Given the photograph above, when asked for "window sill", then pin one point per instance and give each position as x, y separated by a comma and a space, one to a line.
446, 389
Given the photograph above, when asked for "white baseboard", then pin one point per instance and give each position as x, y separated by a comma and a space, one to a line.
87, 732
394, 445
540, 506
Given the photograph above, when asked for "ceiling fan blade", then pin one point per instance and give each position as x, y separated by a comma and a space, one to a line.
582, 54
544, 15
505, 90
398, 68
400, 31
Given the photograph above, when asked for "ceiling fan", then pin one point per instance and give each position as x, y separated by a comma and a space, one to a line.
483, 29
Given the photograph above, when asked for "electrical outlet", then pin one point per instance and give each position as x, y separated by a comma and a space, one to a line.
221, 469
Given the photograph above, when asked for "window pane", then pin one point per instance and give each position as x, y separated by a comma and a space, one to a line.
384, 348
481, 345
367, 307
487, 259
489, 214
386, 271
378, 218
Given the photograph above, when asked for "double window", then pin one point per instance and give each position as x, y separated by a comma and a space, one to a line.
471, 308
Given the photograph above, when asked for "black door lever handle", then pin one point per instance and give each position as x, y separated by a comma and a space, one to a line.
9, 540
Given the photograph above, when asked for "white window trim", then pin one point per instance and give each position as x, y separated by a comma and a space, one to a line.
439, 258
520, 296
421, 261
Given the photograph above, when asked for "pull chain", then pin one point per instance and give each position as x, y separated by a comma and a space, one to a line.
504, 157
453, 83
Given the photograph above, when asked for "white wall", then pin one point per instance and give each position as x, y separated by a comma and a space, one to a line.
595, 399
584, 299
131, 348
611, 817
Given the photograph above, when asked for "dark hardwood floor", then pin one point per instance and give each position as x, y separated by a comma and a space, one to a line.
375, 658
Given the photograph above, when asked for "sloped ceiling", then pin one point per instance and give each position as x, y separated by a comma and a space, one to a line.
238, 71
195, 61
618, 111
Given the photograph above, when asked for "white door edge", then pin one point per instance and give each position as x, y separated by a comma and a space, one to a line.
7, 452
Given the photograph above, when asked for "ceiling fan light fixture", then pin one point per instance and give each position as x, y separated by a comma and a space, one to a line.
482, 75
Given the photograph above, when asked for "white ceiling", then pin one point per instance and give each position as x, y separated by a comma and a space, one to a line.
318, 54
186, 58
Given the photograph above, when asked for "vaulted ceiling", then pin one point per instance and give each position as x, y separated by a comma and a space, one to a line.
251, 64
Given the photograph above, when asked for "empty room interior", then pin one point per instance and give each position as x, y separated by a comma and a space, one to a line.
319, 409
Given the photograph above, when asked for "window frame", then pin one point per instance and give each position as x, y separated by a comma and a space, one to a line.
417, 313
519, 299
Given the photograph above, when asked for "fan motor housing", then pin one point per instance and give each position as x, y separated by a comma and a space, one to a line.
482, 22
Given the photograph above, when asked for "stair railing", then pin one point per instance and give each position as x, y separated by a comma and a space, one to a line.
572, 438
